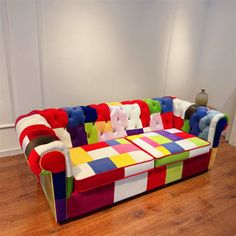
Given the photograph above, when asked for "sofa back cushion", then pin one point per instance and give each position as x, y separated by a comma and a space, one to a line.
81, 125
105, 121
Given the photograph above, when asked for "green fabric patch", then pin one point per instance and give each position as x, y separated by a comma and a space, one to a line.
174, 172
154, 106
92, 133
69, 186
197, 141
160, 139
186, 126
44, 172
172, 158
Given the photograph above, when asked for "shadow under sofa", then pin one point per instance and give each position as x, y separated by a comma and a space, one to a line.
89, 157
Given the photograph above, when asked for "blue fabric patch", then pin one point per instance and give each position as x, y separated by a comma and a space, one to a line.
173, 147
166, 104
219, 128
195, 119
102, 165
90, 114
112, 142
75, 116
59, 183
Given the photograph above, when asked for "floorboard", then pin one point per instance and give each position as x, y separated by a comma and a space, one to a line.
203, 205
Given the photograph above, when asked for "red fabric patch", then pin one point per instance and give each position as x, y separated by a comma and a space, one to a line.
103, 111
35, 131
195, 165
83, 202
184, 135
178, 122
145, 112
99, 179
53, 161
56, 118
33, 161
94, 146
167, 120
28, 114
156, 177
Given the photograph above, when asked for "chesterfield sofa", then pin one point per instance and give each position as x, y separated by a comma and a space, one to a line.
89, 157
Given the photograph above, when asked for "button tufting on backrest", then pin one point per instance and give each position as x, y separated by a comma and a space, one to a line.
76, 116
144, 111
57, 118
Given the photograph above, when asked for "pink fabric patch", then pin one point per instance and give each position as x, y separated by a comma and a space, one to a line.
123, 148
149, 141
156, 122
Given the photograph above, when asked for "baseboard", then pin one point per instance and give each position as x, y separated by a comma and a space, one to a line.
10, 152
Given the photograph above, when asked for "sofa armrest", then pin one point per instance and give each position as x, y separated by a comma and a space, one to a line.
212, 125
201, 121
43, 149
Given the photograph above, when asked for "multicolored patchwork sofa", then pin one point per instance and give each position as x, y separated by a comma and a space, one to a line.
88, 157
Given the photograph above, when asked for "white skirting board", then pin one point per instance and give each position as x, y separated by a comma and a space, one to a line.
9, 144
10, 152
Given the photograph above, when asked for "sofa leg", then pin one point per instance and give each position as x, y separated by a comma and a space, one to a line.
212, 158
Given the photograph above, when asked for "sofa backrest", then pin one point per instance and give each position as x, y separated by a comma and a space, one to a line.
81, 125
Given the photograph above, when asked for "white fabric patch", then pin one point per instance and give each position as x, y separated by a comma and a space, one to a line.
133, 115
103, 152
186, 144
180, 106
150, 134
129, 187
148, 148
140, 156
64, 136
173, 131
25, 143
147, 129
199, 151
82, 171
56, 146
28, 121
212, 128
131, 170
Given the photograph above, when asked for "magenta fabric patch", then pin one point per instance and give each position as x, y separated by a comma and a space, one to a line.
124, 148
150, 141
82, 202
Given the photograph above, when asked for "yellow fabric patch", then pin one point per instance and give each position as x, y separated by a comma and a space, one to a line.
79, 156
163, 150
122, 141
122, 160
114, 103
103, 126
133, 137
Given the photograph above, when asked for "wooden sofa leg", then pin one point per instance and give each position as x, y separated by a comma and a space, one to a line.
212, 158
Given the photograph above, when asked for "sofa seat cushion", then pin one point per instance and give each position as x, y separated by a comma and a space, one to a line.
170, 145
101, 163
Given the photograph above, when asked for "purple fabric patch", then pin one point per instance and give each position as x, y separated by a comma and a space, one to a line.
168, 135
134, 131
82, 202
78, 135
61, 210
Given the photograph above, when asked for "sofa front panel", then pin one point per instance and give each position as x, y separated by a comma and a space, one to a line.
81, 203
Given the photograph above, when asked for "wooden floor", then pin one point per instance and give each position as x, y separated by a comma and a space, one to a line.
204, 205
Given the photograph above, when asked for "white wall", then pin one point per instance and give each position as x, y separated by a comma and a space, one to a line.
64, 53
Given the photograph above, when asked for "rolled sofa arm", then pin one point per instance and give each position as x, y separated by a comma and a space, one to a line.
41, 145
48, 158
201, 121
